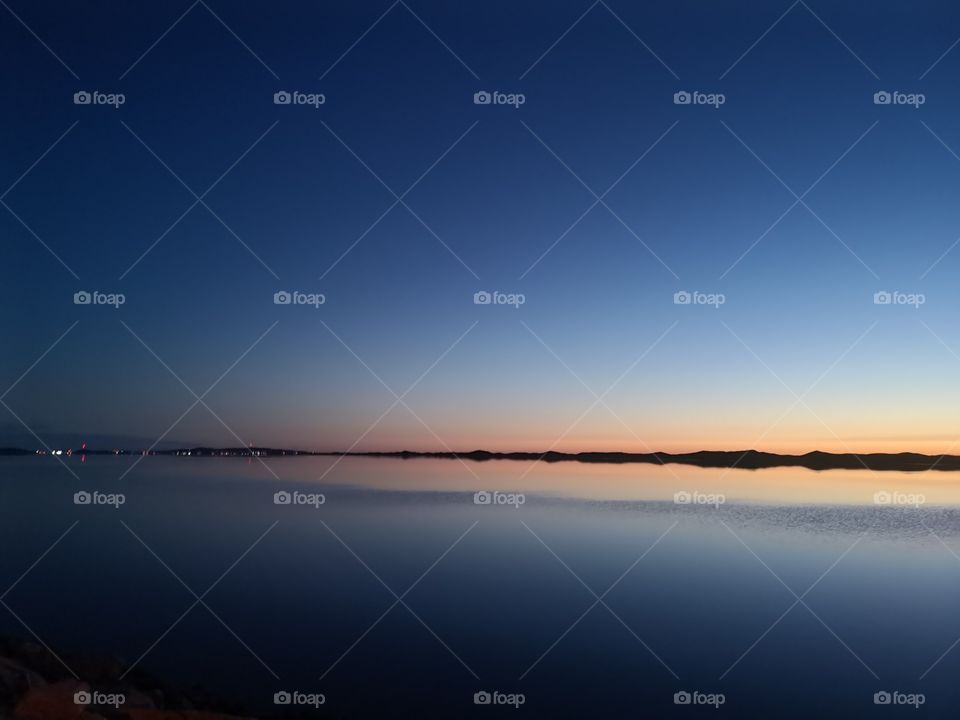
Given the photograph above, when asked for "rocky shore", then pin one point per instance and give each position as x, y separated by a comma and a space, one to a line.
35, 685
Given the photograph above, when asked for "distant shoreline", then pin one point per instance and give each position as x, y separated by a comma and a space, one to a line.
744, 459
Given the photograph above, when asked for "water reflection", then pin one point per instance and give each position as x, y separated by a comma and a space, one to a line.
797, 594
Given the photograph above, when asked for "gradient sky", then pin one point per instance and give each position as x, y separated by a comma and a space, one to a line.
599, 306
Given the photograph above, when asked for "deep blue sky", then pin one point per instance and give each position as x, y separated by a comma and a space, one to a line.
499, 199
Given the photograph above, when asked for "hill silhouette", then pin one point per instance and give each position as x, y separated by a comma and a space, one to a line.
744, 459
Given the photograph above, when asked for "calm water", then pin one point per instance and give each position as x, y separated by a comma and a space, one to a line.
700, 600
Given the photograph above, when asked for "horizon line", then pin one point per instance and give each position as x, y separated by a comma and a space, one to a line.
749, 459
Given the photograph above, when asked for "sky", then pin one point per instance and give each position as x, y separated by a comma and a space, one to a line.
782, 211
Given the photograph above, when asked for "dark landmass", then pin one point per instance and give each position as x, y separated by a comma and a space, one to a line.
188, 452
746, 459
36, 684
